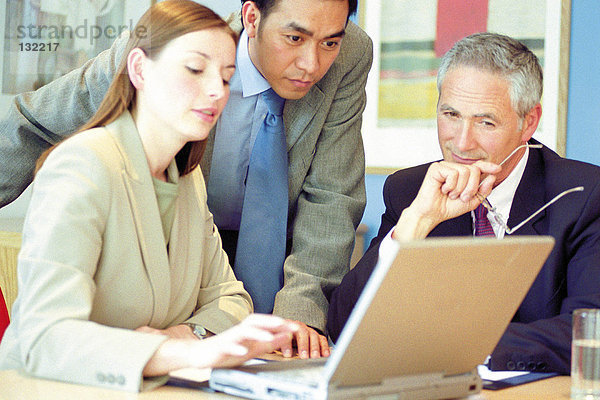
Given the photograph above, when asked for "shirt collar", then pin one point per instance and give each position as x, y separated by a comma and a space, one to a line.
253, 82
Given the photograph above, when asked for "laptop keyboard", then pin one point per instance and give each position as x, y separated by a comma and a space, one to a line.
308, 375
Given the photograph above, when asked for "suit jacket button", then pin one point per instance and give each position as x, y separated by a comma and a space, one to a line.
121, 380
101, 377
111, 378
521, 365
531, 366
510, 365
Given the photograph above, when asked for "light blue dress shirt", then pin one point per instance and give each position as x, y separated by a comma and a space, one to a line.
235, 135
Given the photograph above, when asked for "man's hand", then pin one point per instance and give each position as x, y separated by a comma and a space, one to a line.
309, 342
448, 190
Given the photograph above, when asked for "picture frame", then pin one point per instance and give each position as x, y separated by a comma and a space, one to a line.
391, 145
131, 10
45, 39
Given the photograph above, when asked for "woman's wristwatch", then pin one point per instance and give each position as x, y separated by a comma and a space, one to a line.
197, 330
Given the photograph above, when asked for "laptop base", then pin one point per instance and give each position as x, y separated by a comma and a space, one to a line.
416, 387
426, 387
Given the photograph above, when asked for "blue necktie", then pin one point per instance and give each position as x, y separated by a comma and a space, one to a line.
262, 238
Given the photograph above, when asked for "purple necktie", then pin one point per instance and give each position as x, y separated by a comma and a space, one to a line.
482, 223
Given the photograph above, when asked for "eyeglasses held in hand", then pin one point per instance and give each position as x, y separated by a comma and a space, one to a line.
498, 217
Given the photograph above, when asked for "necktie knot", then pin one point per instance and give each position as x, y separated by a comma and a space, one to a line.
480, 212
274, 102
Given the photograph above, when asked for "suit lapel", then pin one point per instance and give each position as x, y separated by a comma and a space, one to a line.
146, 216
529, 196
183, 232
459, 226
297, 114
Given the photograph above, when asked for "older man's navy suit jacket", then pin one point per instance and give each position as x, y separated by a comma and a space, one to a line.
539, 336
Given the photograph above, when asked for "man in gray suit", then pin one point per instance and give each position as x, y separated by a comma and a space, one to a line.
310, 55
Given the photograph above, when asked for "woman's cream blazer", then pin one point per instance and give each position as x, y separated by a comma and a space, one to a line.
94, 265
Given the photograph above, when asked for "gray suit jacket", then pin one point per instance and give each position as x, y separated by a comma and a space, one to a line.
94, 259
325, 152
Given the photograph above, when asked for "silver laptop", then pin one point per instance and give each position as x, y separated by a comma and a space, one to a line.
423, 323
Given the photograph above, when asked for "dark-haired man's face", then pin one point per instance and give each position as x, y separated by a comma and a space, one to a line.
295, 45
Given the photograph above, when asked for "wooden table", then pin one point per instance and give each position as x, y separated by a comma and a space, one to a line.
15, 386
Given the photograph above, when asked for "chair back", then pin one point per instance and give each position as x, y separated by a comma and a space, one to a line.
10, 244
4, 320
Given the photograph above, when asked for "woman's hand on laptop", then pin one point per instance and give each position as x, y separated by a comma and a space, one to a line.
254, 336
309, 342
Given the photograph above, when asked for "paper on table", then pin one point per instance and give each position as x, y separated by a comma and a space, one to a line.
494, 380
200, 375
191, 374
487, 375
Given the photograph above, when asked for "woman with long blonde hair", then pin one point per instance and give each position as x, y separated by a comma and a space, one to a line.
121, 262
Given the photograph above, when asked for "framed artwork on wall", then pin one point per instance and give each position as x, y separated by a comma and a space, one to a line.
45, 39
410, 36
